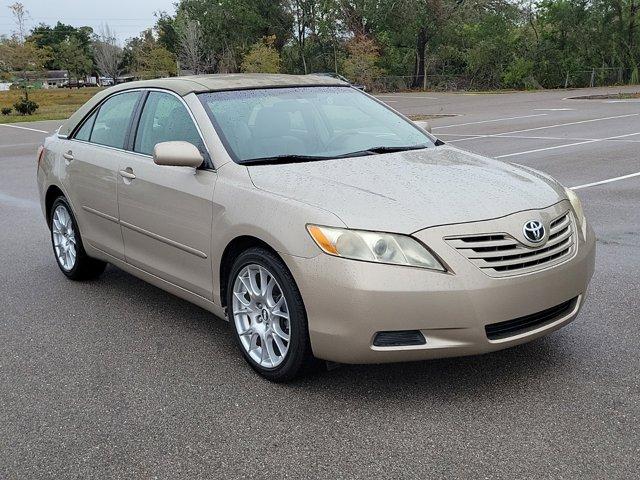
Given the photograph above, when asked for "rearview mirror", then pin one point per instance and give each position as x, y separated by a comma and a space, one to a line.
423, 125
177, 154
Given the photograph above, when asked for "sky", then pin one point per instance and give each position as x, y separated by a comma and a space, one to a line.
127, 18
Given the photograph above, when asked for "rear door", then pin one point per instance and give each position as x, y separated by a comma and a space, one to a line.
166, 212
92, 157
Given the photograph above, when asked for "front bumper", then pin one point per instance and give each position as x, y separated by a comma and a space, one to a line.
348, 302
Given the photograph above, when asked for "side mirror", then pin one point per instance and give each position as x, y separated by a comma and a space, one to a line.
423, 125
177, 154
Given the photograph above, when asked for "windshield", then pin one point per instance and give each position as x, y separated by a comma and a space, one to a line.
307, 123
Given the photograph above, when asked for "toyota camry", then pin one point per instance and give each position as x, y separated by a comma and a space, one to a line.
322, 224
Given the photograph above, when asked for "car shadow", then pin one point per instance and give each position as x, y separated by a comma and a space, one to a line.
496, 373
480, 376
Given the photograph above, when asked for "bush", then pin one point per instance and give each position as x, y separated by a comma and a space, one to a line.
361, 66
262, 57
25, 107
6, 111
520, 74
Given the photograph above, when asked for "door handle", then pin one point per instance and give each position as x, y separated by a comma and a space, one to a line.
127, 174
68, 156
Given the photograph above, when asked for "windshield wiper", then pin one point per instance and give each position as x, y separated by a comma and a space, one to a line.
382, 149
286, 158
291, 158
405, 148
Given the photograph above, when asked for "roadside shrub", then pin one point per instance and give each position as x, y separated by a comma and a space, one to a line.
6, 110
262, 57
520, 74
361, 66
634, 80
25, 107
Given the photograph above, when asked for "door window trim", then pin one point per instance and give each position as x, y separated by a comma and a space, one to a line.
208, 163
134, 123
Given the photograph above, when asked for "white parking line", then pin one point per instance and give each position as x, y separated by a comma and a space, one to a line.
490, 121
23, 128
553, 109
566, 145
31, 144
531, 137
609, 180
548, 126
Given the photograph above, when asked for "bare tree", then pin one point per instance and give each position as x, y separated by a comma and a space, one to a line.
192, 53
20, 15
107, 53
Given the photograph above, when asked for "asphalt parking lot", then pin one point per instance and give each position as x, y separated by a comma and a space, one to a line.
117, 379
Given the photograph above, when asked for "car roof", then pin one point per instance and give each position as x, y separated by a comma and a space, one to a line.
203, 83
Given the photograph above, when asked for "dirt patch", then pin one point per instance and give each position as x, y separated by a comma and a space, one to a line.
419, 118
609, 96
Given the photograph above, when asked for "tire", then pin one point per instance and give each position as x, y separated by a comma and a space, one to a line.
265, 316
67, 244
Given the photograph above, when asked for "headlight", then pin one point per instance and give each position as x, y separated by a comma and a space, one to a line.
373, 247
577, 208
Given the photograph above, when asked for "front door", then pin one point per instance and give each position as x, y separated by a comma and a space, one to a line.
166, 212
92, 158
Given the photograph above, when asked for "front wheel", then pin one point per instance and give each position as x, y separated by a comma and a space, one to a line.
67, 244
268, 316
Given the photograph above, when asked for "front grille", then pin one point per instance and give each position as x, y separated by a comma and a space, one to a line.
510, 328
500, 254
399, 338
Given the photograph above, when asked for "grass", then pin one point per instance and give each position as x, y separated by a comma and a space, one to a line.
55, 103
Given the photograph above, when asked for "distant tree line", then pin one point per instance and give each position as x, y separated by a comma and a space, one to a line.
395, 43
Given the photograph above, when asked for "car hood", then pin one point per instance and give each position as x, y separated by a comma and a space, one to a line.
407, 191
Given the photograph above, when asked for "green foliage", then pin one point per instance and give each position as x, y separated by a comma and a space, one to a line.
54, 38
230, 27
70, 56
361, 64
148, 58
262, 57
433, 43
519, 74
25, 107
6, 110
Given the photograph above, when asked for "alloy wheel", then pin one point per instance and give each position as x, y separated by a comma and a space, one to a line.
64, 238
261, 316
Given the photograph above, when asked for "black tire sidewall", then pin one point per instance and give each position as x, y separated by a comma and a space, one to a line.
299, 350
81, 256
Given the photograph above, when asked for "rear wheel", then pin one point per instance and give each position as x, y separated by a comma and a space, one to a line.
268, 316
67, 244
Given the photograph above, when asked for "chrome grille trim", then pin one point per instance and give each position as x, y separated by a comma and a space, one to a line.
500, 254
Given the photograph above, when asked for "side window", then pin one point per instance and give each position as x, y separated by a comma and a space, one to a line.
164, 118
84, 133
112, 121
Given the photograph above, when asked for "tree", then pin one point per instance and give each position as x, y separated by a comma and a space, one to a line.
167, 34
361, 64
20, 15
17, 54
71, 57
262, 57
193, 55
229, 27
52, 37
148, 58
303, 14
108, 54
